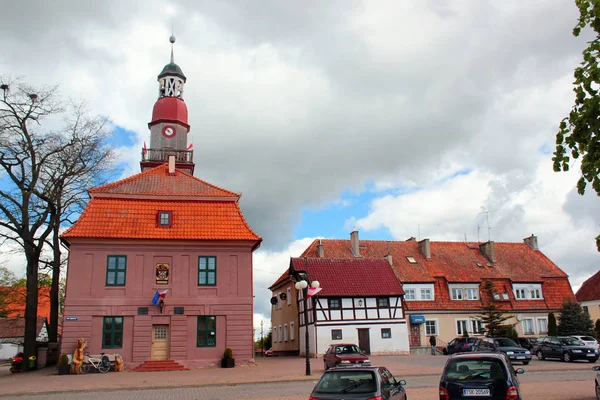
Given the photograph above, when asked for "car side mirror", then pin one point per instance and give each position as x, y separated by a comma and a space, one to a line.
403, 382
596, 368
520, 371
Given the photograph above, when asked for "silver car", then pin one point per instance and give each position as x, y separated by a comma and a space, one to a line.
588, 341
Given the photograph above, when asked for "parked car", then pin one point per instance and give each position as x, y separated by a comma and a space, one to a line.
506, 346
359, 383
459, 344
529, 343
566, 348
345, 355
597, 382
587, 341
269, 353
479, 375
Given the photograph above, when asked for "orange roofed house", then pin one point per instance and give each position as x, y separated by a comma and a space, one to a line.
160, 263
442, 282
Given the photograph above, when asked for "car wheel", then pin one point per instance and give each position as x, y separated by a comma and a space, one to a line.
325, 366
567, 357
525, 362
593, 360
540, 355
445, 351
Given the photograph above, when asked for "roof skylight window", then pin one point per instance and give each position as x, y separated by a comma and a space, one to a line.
411, 259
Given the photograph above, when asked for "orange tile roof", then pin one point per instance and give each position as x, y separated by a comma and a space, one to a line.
15, 327
158, 182
136, 219
590, 289
15, 301
457, 262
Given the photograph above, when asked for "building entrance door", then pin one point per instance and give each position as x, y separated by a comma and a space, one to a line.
415, 335
363, 340
160, 342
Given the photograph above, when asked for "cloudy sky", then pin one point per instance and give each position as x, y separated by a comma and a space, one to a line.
395, 118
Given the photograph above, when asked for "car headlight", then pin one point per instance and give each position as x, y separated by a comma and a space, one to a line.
527, 352
367, 361
510, 353
576, 351
344, 362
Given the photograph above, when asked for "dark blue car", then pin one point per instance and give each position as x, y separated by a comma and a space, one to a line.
459, 344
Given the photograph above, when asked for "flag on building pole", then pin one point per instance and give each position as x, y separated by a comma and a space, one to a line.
312, 291
190, 146
145, 149
159, 295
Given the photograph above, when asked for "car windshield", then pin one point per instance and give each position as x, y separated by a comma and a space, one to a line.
505, 343
475, 369
347, 382
569, 341
347, 349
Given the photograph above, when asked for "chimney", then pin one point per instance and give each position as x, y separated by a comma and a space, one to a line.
320, 250
354, 244
389, 258
171, 164
488, 250
531, 241
425, 248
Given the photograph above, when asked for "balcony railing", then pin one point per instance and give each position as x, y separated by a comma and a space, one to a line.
162, 155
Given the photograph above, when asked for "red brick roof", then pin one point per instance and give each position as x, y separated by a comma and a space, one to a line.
137, 219
459, 262
590, 289
14, 298
15, 327
350, 277
158, 182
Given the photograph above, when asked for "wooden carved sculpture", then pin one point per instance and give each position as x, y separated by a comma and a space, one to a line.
118, 363
78, 356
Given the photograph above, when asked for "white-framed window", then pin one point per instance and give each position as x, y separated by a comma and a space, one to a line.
426, 294
457, 294
431, 327
527, 326
542, 325
292, 331
280, 334
472, 294
285, 333
476, 326
462, 326
528, 291
289, 296
409, 294
275, 334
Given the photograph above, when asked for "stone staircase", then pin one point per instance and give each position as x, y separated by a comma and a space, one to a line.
154, 366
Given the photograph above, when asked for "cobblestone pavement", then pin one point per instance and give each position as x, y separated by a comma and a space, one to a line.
573, 384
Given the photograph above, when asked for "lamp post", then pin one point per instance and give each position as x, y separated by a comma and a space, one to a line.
302, 285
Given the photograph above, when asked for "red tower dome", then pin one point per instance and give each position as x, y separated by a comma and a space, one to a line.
169, 109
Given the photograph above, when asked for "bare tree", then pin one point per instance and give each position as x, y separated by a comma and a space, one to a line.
46, 172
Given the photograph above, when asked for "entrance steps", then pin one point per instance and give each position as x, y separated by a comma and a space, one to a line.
154, 366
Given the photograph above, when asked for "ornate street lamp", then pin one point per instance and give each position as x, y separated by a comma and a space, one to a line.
302, 285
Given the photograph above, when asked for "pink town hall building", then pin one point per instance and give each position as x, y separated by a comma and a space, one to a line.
162, 231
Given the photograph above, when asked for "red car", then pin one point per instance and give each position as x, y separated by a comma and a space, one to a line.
269, 353
345, 355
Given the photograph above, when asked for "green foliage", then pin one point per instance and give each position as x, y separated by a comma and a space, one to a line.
508, 331
572, 320
552, 328
580, 131
597, 328
491, 314
63, 359
228, 353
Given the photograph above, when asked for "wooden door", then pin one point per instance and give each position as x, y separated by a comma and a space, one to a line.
415, 335
160, 342
363, 340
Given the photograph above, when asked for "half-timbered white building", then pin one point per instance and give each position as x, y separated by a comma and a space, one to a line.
360, 301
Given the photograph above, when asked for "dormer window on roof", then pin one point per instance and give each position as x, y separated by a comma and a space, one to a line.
165, 219
411, 259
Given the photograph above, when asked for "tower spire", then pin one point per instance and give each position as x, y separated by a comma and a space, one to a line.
172, 40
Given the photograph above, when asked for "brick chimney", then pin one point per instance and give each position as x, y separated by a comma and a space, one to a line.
532, 242
425, 248
354, 244
320, 250
488, 250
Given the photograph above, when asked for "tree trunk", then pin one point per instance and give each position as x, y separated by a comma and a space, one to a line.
54, 289
31, 306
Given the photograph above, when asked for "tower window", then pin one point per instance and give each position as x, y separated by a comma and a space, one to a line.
165, 219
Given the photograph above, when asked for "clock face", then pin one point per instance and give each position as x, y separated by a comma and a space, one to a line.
168, 131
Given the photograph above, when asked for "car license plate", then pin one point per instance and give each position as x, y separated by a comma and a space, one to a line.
520, 357
476, 392
591, 355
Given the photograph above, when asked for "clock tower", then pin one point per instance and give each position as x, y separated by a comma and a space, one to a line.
169, 126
